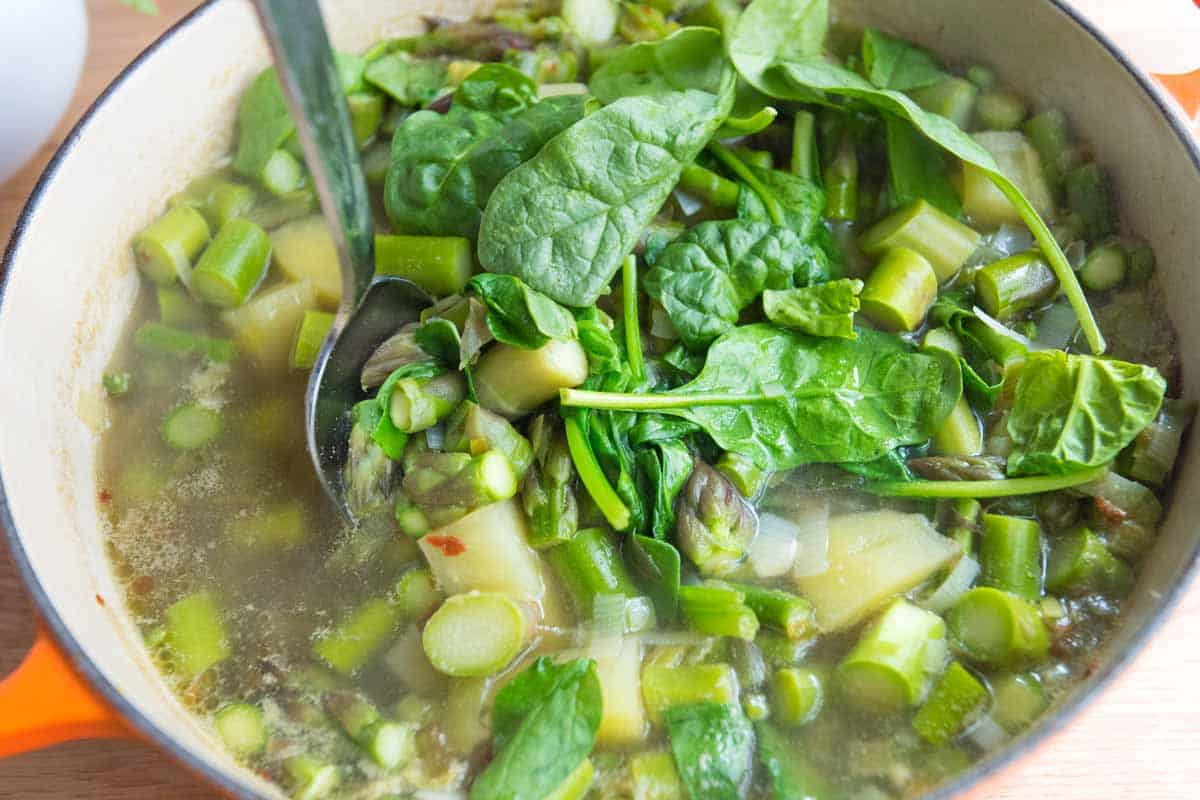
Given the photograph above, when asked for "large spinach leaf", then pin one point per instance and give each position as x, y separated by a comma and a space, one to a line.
784, 399
792, 72
826, 309
658, 564
713, 744
565, 220
689, 59
1071, 412
407, 80
446, 166
707, 276
892, 63
799, 201
497, 89
520, 316
917, 169
773, 30
544, 725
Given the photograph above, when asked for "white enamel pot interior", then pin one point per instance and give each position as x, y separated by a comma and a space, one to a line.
70, 282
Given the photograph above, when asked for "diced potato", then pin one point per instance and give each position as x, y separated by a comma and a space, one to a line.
265, 327
873, 557
463, 719
486, 551
304, 251
624, 718
983, 203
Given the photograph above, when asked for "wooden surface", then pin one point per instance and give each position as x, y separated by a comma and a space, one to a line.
1142, 740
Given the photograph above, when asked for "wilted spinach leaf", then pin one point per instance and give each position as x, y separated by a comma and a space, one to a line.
379, 420
596, 336
713, 744
917, 169
689, 59
800, 201
497, 89
520, 316
893, 63
792, 777
407, 80
826, 309
544, 725
1072, 412
658, 564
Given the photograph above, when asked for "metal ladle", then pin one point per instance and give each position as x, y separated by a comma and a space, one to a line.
372, 308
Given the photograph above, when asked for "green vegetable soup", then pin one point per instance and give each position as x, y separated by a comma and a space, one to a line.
789, 420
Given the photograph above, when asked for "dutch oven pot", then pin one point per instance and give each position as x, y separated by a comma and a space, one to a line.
70, 283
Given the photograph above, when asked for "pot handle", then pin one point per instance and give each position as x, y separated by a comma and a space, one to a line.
47, 702
1185, 89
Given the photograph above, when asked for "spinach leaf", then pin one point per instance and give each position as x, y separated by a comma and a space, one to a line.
891, 467
684, 361
713, 744
792, 777
986, 349
893, 63
440, 338
917, 169
665, 467
544, 725
658, 564
520, 316
800, 201
407, 80
689, 59
826, 309
497, 89
783, 399
707, 276
390, 438
446, 166
1071, 412
596, 336
565, 220
773, 30
790, 73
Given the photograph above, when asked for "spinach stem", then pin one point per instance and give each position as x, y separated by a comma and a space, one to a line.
615, 401
1010, 487
633, 333
735, 165
592, 476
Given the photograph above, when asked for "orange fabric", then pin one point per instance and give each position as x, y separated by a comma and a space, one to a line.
1185, 89
46, 702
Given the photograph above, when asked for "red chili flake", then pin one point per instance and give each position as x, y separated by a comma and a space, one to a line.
105, 496
99, 600
1110, 511
450, 545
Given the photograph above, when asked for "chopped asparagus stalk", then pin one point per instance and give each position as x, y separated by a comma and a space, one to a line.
900, 291
1089, 194
785, 612
1081, 565
418, 404
416, 595
993, 627
944, 242
1141, 262
709, 187
281, 210
513, 382
447, 486
441, 265
177, 309
1050, 135
1104, 268
154, 338
1000, 110
797, 696
714, 523
548, 494
475, 635
960, 434
956, 698
242, 729
196, 635
1015, 284
1018, 700
116, 384
717, 610
350, 644
389, 744
744, 474
166, 249
953, 98
282, 174
890, 667
655, 777
276, 529
804, 146
233, 265
841, 183
590, 566
475, 430
665, 687
192, 426
314, 327
311, 779
1010, 553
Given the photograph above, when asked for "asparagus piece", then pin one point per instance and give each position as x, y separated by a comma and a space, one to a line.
956, 698
369, 477
154, 338
242, 729
1081, 565
447, 486
389, 744
232, 267
953, 98
265, 327
275, 529
177, 309
475, 635
960, 434
366, 115
116, 384
1141, 262
416, 595
590, 566
744, 474
1019, 699
900, 291
942, 240
999, 110
1104, 268
665, 687
1014, 284
441, 265
349, 645
655, 777
310, 778
1050, 135
283, 173
196, 635
841, 183
547, 494
804, 146
714, 523
280, 210
797, 696
418, 404
475, 430
1089, 194
709, 187
889, 668
783, 611
191, 426
1010, 552
513, 382
397, 351
309, 338
792, 776
227, 201
166, 249
994, 627
717, 610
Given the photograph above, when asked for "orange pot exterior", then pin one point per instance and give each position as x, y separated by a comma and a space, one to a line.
47, 702
1186, 91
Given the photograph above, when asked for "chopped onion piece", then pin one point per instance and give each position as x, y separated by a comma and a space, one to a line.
674, 639
607, 630
435, 437
956, 584
773, 551
812, 538
1002, 329
689, 204
986, 733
